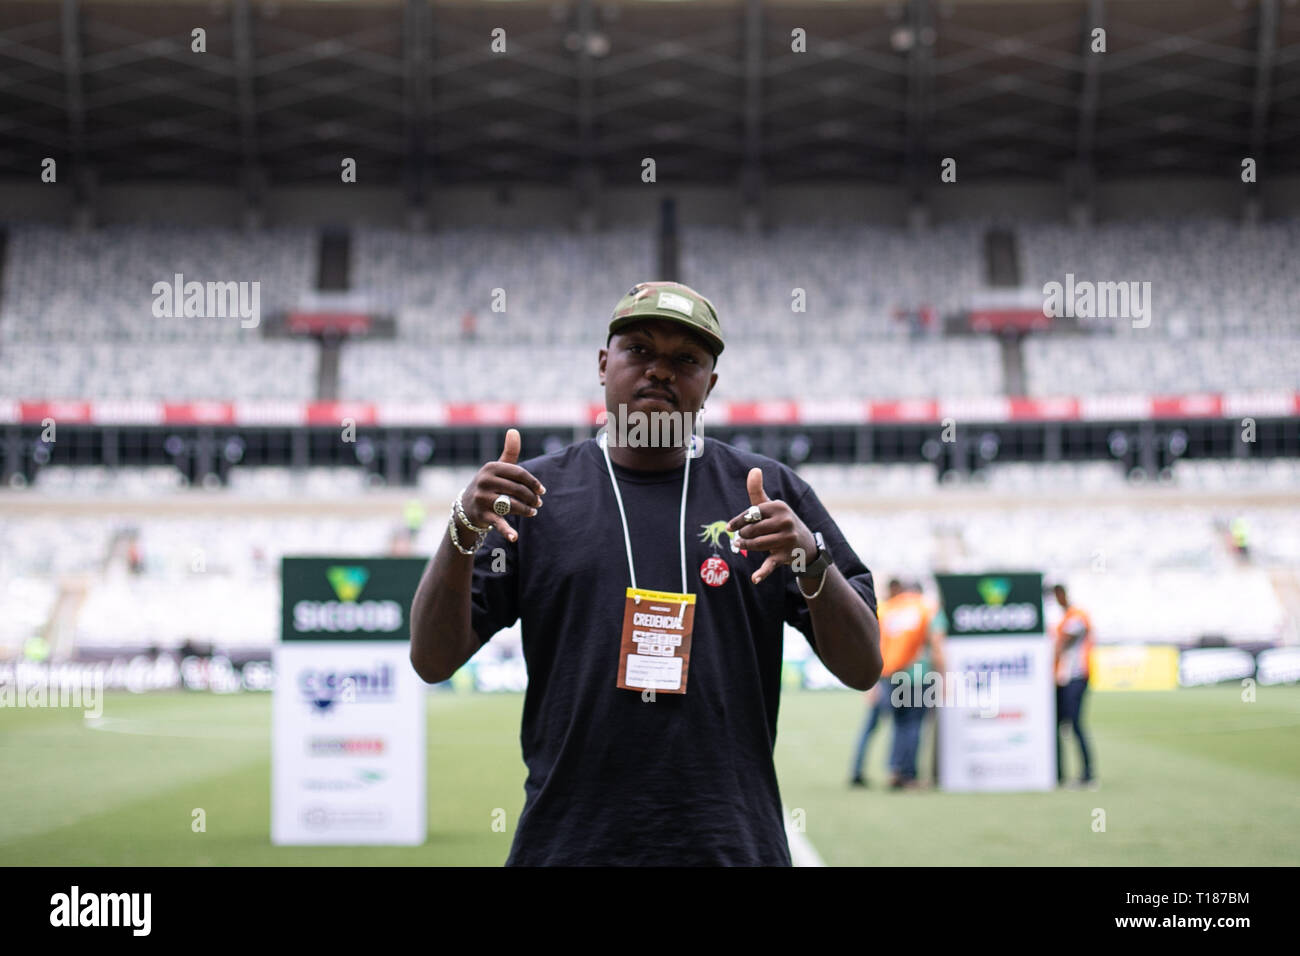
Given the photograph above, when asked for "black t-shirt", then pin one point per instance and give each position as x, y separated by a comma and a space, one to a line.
684, 778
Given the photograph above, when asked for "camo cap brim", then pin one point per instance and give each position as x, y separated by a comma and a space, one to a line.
674, 302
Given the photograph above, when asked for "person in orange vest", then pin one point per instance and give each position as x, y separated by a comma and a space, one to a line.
909, 624
1073, 640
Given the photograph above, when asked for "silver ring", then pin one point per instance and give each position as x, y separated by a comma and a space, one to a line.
753, 515
501, 505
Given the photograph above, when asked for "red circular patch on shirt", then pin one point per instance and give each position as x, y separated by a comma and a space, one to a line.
714, 572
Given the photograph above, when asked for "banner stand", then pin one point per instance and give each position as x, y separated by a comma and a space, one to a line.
348, 710
998, 732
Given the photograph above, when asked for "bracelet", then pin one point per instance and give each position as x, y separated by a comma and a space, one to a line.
455, 539
809, 597
459, 510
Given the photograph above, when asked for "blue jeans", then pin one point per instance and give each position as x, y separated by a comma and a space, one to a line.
907, 732
907, 739
874, 713
1069, 710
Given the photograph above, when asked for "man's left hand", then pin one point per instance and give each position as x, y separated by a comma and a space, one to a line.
779, 532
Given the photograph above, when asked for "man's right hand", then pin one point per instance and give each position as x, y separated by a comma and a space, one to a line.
503, 477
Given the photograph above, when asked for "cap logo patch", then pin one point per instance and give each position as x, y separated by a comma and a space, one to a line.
678, 303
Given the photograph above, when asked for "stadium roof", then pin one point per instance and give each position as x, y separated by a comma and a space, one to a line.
585, 90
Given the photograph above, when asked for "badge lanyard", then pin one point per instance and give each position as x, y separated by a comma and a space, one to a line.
627, 538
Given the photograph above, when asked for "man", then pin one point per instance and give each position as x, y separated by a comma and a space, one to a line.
878, 706
650, 716
1073, 642
910, 635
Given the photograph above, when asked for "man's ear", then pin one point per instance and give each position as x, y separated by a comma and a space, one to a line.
604, 356
713, 380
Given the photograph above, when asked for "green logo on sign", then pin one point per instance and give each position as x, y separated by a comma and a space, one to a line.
347, 582
994, 590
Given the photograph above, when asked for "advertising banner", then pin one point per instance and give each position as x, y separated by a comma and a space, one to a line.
1278, 665
1002, 736
348, 710
1133, 667
1214, 665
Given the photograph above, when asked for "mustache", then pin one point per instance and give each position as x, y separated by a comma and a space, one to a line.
648, 391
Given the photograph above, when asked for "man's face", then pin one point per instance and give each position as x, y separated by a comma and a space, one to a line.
656, 366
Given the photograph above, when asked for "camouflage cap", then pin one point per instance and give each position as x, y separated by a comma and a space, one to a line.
674, 302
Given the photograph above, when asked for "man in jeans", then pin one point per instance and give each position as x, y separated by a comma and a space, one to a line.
908, 624
1073, 640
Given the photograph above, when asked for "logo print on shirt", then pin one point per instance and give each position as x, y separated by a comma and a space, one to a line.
714, 572
713, 533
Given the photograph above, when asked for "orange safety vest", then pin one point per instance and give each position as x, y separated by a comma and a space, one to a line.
904, 624
1072, 661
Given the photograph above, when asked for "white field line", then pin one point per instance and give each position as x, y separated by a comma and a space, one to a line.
802, 852
158, 728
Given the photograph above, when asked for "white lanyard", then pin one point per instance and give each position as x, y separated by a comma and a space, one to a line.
627, 539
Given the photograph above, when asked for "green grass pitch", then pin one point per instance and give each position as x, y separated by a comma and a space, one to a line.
1192, 777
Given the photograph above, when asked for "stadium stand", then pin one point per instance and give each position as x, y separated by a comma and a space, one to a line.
1091, 365
76, 311
854, 277
177, 372
1150, 571
76, 322
556, 284
1209, 277
73, 286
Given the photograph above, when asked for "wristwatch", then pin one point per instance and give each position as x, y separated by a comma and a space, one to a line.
819, 564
